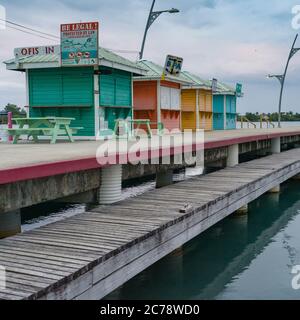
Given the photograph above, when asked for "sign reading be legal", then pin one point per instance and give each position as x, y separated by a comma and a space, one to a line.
79, 44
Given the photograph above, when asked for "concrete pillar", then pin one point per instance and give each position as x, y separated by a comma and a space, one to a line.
233, 155
275, 190
275, 145
10, 223
111, 184
164, 178
242, 211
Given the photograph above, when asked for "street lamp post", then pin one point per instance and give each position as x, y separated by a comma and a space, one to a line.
153, 15
281, 77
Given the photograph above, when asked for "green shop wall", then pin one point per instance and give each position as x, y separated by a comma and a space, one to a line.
115, 94
64, 92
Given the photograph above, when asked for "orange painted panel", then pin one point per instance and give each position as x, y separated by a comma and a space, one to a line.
144, 95
147, 114
170, 84
188, 100
170, 119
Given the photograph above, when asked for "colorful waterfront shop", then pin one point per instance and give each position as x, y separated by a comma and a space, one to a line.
224, 107
156, 99
196, 103
94, 95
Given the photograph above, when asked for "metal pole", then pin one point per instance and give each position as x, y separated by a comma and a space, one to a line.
146, 30
283, 80
9, 124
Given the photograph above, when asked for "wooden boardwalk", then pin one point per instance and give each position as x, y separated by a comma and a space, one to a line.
91, 254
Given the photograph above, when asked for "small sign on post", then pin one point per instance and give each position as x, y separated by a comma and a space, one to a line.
79, 44
173, 66
238, 90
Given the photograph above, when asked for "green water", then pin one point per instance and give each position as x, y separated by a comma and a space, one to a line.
248, 257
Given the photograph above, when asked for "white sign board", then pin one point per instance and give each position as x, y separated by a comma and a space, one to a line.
173, 66
36, 51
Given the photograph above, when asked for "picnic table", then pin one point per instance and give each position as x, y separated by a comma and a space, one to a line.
129, 125
47, 126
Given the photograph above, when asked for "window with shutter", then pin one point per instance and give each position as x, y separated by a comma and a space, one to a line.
165, 98
175, 99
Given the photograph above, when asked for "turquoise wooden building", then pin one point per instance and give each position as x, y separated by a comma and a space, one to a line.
224, 107
95, 96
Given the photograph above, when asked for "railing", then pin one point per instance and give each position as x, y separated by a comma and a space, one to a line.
245, 119
264, 118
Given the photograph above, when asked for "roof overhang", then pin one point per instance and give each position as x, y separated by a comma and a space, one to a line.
114, 65
46, 65
196, 87
145, 78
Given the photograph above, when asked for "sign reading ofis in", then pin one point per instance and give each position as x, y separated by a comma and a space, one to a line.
173, 66
79, 44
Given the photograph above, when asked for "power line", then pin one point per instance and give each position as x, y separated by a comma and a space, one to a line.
46, 35
37, 35
30, 29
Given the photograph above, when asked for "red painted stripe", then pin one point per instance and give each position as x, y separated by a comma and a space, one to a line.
74, 165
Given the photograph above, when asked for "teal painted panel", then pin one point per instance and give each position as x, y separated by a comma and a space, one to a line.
123, 91
84, 117
115, 88
218, 121
107, 90
230, 104
230, 121
218, 104
57, 89
112, 114
61, 87
45, 89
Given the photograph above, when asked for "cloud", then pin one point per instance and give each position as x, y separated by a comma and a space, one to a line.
233, 40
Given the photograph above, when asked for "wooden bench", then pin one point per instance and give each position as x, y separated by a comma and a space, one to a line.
138, 122
51, 126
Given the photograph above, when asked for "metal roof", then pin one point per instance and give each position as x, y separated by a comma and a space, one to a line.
155, 72
223, 88
197, 82
107, 58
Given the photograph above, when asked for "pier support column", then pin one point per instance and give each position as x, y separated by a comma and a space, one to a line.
275, 190
164, 178
111, 184
242, 211
10, 223
233, 156
275, 148
275, 145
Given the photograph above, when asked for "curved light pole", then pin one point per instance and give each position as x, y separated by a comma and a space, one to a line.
153, 15
281, 77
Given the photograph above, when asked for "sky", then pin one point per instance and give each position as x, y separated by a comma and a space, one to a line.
231, 40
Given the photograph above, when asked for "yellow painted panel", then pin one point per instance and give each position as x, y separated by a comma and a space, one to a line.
202, 120
188, 120
208, 102
188, 100
201, 101
206, 120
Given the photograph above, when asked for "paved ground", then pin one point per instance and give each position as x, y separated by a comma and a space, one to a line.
82, 155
